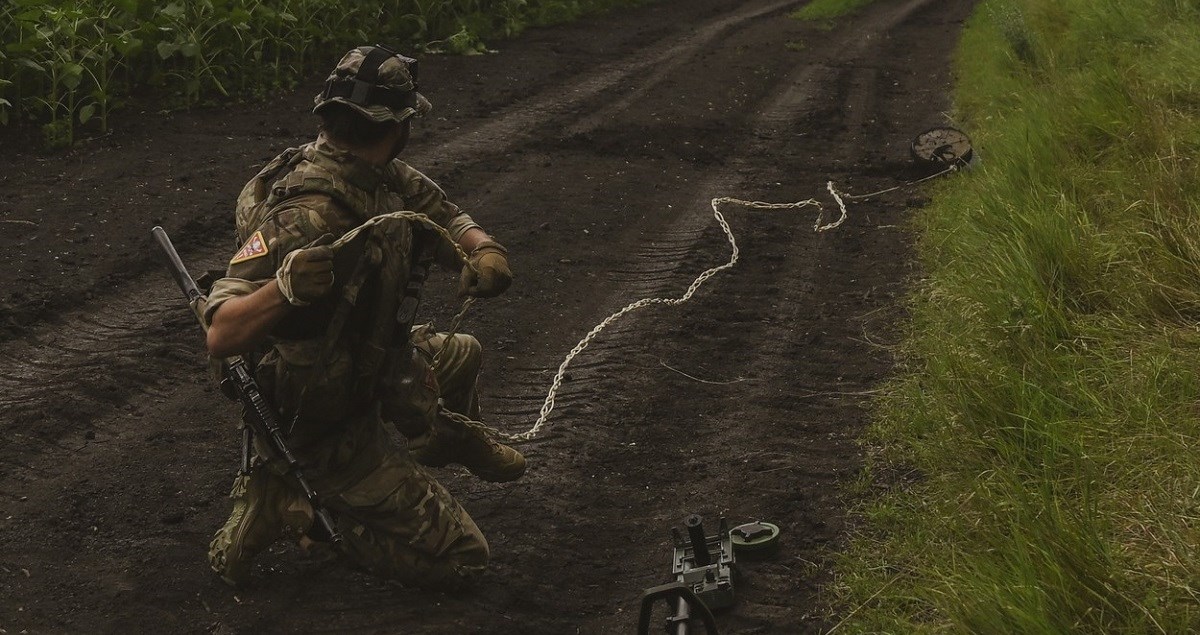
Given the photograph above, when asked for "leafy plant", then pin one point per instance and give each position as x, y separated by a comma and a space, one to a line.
69, 63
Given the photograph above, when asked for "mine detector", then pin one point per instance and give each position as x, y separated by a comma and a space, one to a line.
702, 566
703, 570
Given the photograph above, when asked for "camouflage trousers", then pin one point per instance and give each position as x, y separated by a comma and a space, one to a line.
417, 532
457, 370
400, 523
396, 520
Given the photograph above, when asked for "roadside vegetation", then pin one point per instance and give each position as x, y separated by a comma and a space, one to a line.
66, 64
828, 9
1039, 454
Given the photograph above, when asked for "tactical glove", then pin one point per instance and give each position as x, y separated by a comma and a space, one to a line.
306, 275
486, 275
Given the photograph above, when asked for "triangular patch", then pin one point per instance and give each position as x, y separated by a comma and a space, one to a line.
255, 247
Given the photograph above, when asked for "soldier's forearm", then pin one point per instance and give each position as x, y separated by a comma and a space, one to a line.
472, 238
241, 324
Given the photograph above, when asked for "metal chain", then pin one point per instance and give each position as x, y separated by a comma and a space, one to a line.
429, 223
423, 219
456, 322
838, 194
548, 404
818, 227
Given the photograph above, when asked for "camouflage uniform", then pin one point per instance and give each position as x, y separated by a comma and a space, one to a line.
396, 519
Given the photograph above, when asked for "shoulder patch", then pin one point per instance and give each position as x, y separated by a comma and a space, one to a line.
254, 248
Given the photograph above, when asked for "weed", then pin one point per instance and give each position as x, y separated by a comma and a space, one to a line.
1048, 385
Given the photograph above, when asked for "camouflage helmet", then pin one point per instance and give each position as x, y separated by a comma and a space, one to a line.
377, 82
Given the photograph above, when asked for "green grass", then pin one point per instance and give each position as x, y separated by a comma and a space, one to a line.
1047, 398
828, 9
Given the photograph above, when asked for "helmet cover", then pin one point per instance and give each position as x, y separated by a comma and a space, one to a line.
376, 82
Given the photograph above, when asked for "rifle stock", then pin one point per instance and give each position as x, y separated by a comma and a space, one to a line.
257, 413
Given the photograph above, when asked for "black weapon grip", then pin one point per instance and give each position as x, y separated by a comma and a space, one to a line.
265, 423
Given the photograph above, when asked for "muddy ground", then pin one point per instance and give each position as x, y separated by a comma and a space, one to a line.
591, 150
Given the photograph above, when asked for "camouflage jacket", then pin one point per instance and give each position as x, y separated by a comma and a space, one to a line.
298, 197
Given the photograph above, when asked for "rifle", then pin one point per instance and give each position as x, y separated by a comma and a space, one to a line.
238, 383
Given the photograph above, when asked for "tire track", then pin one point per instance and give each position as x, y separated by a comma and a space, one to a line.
576, 540
528, 119
813, 427
49, 370
655, 271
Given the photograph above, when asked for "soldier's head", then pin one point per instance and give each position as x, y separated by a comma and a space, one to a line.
370, 96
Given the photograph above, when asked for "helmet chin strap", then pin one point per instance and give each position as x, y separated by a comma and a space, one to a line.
402, 141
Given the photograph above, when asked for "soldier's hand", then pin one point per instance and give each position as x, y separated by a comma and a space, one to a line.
306, 275
487, 274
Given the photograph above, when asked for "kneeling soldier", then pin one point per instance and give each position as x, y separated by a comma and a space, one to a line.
332, 353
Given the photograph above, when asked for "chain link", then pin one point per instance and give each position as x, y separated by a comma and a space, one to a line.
549, 402
456, 322
423, 219
429, 223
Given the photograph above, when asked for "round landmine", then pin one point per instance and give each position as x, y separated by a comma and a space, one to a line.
755, 539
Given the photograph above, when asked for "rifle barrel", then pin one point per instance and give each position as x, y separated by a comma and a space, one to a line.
175, 264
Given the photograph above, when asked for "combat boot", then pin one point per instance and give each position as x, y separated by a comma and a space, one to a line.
471, 445
265, 509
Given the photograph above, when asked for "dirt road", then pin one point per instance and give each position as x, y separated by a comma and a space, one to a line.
591, 150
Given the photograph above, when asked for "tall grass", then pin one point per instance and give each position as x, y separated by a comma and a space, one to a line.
68, 63
1046, 405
